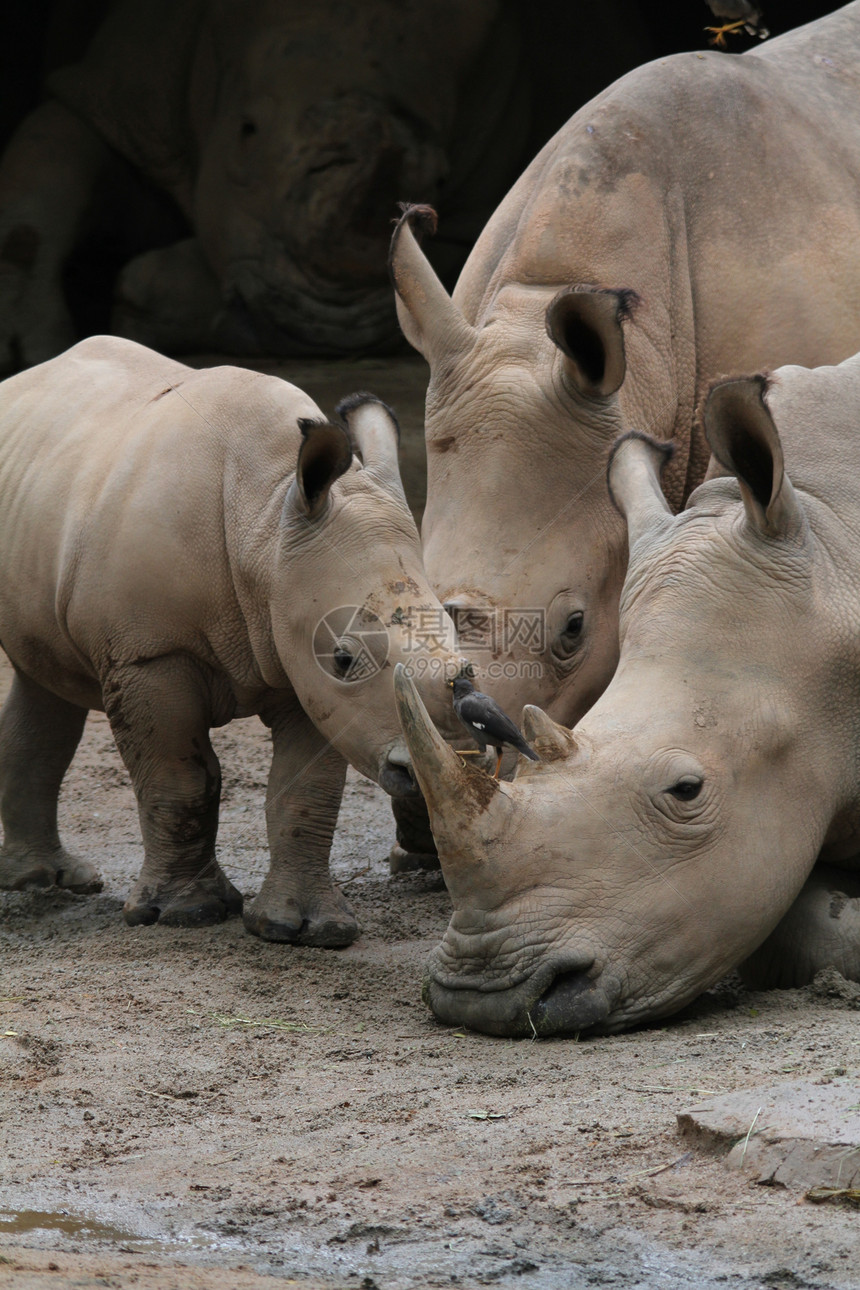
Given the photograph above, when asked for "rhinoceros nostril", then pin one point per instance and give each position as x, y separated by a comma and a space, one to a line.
397, 779
574, 1001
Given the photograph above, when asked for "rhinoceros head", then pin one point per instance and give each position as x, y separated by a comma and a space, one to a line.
521, 540
657, 845
350, 598
314, 121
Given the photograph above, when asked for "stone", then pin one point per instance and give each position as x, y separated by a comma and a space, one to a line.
799, 1134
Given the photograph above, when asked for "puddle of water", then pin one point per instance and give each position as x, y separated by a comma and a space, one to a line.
82, 1227
14, 1222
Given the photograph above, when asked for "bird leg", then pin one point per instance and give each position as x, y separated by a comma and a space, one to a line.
498, 763
718, 34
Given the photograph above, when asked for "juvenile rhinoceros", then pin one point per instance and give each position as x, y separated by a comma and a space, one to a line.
284, 132
705, 813
700, 216
179, 548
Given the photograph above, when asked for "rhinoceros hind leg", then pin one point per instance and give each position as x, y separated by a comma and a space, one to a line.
207, 898
38, 737
297, 902
820, 930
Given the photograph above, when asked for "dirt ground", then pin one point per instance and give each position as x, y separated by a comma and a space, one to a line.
198, 1109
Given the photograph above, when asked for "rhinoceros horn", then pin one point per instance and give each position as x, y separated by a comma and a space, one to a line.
550, 741
633, 474
457, 796
429, 319
376, 434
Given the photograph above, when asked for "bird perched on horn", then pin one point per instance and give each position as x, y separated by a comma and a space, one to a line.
485, 721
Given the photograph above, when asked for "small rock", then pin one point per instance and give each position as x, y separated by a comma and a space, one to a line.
797, 1134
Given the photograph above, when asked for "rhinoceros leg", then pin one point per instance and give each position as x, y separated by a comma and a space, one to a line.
169, 299
38, 737
47, 177
160, 714
297, 902
415, 847
822, 929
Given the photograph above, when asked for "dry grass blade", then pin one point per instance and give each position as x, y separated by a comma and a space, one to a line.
267, 1023
749, 1135
840, 1195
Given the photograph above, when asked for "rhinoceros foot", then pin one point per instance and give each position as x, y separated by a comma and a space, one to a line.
208, 898
56, 868
323, 919
402, 861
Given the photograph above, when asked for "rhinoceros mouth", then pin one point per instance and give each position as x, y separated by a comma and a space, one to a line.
557, 999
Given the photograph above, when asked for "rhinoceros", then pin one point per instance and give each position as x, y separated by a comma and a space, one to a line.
180, 548
284, 132
700, 216
705, 814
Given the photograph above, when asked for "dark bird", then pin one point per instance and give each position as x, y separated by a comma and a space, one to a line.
738, 15
485, 721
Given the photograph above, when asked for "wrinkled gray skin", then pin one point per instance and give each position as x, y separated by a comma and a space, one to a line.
285, 132
705, 814
725, 192
165, 559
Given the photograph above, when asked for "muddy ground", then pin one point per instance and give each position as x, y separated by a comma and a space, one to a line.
200, 1109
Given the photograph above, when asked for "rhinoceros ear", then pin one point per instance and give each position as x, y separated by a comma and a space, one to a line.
633, 474
376, 434
325, 455
586, 325
428, 317
743, 437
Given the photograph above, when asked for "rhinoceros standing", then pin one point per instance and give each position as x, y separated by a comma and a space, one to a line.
284, 132
700, 216
179, 548
705, 813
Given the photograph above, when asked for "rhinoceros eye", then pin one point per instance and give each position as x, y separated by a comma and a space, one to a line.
687, 788
343, 661
569, 638
247, 128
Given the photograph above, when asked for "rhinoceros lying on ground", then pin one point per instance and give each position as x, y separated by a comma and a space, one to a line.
700, 216
705, 813
165, 558
285, 132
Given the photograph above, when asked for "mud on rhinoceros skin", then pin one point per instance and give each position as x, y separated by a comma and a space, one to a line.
196, 546
705, 814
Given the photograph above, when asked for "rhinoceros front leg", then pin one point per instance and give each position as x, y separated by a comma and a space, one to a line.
38, 737
47, 177
160, 714
822, 929
297, 902
169, 299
